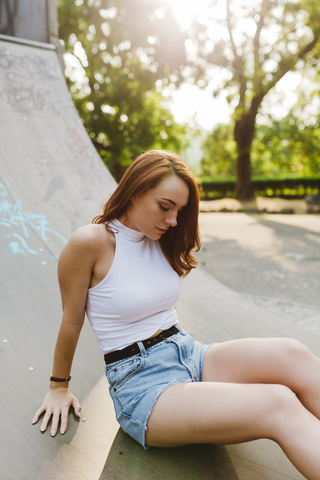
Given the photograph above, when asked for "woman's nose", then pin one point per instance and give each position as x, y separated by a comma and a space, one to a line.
172, 219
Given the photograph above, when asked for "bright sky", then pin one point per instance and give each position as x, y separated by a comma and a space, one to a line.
192, 102
185, 10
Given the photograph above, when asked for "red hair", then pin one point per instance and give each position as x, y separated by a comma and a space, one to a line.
147, 171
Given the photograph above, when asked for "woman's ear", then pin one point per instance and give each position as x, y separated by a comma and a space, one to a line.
133, 198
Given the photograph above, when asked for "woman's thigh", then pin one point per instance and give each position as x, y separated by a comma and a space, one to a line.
213, 412
262, 360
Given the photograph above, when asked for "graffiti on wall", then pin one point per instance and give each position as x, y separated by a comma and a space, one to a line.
19, 223
22, 80
31, 83
9, 10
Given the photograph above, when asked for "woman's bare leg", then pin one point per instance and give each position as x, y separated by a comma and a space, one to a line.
267, 360
224, 413
246, 394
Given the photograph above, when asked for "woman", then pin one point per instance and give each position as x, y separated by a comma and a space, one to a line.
169, 390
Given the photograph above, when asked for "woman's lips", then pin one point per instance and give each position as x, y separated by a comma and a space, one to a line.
162, 230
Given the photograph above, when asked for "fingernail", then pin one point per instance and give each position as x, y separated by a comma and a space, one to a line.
62, 432
33, 422
52, 434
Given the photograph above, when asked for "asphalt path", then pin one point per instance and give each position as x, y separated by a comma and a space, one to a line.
272, 259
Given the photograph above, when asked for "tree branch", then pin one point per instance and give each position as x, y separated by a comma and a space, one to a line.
265, 9
288, 64
233, 45
238, 60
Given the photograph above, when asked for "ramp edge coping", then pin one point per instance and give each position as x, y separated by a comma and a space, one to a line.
30, 43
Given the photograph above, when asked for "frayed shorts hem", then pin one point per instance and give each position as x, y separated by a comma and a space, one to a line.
174, 382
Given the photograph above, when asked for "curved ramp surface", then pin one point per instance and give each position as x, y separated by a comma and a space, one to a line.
52, 181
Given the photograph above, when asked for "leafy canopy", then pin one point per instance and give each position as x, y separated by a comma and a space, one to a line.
122, 49
287, 146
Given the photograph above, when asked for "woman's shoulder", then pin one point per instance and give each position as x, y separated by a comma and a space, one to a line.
92, 237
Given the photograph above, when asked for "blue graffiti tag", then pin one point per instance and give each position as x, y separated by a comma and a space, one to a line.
13, 216
3, 190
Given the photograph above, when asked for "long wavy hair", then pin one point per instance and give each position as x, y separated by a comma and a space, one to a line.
146, 172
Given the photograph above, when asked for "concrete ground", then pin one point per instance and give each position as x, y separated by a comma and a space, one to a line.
273, 259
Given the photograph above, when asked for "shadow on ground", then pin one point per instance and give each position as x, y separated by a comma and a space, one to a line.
129, 461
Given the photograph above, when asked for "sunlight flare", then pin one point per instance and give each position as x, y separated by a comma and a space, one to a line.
185, 10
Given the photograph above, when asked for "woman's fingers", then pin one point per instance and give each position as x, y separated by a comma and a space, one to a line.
64, 415
57, 405
55, 423
37, 414
64, 420
76, 406
45, 421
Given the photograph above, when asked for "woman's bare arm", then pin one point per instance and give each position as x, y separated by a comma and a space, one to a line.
76, 264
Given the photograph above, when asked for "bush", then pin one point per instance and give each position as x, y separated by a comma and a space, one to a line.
215, 188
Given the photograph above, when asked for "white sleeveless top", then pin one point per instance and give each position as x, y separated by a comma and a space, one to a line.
137, 296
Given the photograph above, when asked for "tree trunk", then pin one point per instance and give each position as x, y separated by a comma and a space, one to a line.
244, 187
243, 134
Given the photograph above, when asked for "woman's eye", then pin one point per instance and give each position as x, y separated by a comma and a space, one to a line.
163, 208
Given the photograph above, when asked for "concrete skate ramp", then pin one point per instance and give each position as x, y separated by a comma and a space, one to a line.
51, 182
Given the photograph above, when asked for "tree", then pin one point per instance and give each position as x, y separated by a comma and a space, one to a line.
265, 40
122, 50
288, 146
141, 41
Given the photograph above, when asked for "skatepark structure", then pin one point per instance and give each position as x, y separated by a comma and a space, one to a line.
52, 181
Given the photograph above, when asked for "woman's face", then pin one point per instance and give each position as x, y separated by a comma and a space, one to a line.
157, 209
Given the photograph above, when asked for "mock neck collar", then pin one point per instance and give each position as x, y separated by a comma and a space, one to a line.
126, 232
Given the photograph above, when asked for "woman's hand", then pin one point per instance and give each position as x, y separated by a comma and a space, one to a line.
56, 403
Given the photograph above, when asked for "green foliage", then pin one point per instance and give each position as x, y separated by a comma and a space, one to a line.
219, 153
122, 50
292, 187
287, 148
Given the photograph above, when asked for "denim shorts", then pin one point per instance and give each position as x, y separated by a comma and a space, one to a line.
135, 383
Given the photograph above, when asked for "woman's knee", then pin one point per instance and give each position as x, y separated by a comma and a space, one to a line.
281, 405
280, 397
295, 347
293, 351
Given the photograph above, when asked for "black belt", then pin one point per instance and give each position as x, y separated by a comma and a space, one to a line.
134, 348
